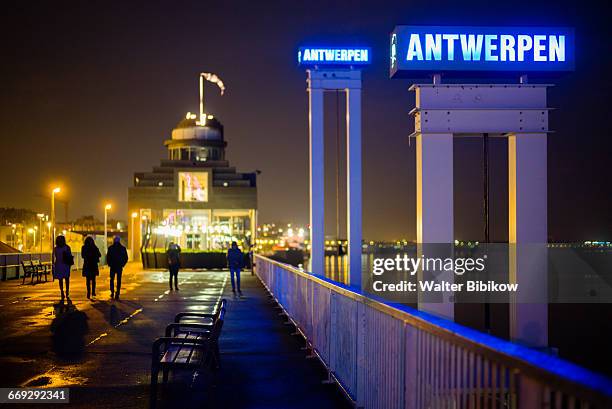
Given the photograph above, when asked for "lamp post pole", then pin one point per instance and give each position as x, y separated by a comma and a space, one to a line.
41, 216
134, 216
106, 209
53, 192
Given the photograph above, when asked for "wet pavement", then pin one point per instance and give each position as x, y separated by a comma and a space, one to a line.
101, 349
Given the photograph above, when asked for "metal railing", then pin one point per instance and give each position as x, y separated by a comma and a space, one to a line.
392, 356
11, 268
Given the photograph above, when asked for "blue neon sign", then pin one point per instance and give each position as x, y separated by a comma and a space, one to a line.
334, 56
520, 49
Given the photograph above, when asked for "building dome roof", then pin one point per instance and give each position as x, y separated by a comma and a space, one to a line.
187, 128
211, 122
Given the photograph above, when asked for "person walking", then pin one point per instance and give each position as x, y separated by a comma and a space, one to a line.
62, 261
91, 256
235, 260
174, 263
116, 258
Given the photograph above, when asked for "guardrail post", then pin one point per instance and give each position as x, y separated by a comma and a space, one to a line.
410, 368
530, 393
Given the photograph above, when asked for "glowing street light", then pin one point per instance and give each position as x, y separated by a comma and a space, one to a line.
134, 216
106, 209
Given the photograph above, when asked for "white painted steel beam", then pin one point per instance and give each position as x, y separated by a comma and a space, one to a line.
490, 120
528, 236
317, 180
435, 219
353, 183
348, 81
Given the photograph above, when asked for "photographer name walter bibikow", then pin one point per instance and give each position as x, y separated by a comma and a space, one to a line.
459, 266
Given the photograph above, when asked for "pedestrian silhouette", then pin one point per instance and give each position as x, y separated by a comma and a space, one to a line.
62, 261
116, 258
235, 260
91, 256
174, 263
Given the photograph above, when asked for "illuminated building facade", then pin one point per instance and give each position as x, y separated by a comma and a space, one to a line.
194, 197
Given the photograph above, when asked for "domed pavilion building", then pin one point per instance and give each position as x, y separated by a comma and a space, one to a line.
194, 197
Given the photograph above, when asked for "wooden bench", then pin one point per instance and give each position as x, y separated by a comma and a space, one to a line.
197, 317
33, 270
192, 347
43, 269
195, 330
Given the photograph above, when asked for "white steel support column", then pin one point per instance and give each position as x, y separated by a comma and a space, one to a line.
349, 81
317, 180
527, 228
435, 221
353, 183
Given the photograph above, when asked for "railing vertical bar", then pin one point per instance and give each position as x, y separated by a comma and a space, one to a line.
452, 391
471, 376
558, 400
443, 372
494, 378
449, 375
546, 398
478, 381
512, 388
486, 383
426, 369
430, 369
448, 396
502, 387
417, 391
437, 367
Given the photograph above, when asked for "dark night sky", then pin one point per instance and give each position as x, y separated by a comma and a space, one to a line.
90, 90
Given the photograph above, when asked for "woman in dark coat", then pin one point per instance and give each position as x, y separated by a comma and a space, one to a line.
91, 256
62, 262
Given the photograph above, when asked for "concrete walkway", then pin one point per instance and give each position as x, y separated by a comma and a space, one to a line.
101, 349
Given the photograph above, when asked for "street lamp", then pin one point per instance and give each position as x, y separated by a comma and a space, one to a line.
106, 209
134, 216
53, 192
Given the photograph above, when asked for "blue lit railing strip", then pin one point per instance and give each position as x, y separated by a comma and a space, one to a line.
545, 362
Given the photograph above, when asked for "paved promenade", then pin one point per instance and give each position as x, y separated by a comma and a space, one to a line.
101, 349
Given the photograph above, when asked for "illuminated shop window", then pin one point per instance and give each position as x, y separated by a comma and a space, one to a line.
193, 186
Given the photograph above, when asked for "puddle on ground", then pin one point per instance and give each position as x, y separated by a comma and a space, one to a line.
54, 378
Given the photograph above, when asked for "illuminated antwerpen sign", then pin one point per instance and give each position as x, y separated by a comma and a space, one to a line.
334, 56
520, 49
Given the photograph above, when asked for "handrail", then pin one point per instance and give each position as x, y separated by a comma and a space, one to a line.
13, 271
554, 372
